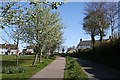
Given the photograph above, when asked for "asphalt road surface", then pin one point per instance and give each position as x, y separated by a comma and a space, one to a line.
97, 71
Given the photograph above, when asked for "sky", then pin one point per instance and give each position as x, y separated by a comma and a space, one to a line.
72, 14
63, 0
86, 0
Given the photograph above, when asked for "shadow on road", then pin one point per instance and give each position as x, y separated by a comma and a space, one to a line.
98, 71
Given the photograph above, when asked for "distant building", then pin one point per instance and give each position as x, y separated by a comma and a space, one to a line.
8, 49
84, 44
29, 49
88, 44
71, 50
59, 49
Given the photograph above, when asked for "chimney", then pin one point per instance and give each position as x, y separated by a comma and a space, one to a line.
15, 43
6, 43
80, 40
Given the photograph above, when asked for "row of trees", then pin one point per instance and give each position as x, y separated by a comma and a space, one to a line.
33, 23
99, 17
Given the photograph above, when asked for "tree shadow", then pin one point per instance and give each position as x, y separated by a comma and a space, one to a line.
6, 63
98, 71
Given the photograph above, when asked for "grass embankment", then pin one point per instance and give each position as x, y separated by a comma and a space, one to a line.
73, 70
24, 61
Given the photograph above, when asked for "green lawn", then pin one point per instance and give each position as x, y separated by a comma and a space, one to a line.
73, 70
24, 61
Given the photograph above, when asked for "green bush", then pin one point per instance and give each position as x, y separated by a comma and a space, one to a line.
107, 53
51, 57
73, 70
29, 53
5, 70
21, 70
13, 70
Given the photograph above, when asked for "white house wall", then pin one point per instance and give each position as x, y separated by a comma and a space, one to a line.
31, 50
3, 51
13, 51
83, 47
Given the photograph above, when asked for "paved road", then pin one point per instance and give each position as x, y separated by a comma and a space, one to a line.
54, 70
97, 71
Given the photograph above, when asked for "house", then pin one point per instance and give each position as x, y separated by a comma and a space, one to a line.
88, 44
8, 49
84, 44
29, 49
71, 50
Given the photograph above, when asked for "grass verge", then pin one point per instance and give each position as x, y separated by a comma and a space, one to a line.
73, 70
24, 61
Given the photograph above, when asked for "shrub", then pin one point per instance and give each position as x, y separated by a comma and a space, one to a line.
13, 70
21, 70
51, 57
107, 53
29, 53
73, 70
5, 70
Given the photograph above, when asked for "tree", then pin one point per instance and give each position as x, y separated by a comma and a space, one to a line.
4, 10
54, 38
112, 15
97, 12
13, 18
23, 21
91, 27
42, 27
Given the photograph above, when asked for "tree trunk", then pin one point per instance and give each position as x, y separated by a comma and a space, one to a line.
93, 39
41, 55
17, 59
101, 38
101, 34
49, 52
112, 27
17, 63
39, 58
35, 59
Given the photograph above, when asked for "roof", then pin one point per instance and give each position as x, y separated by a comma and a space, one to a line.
85, 43
8, 46
30, 47
88, 42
